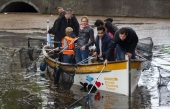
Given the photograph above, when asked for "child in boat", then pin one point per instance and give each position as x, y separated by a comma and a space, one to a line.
68, 46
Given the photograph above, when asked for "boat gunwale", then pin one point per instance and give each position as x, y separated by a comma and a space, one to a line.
53, 61
89, 64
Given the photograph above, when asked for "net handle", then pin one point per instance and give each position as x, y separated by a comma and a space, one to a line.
90, 89
96, 79
90, 57
43, 40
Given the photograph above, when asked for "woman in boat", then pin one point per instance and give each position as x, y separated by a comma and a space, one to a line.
85, 39
98, 23
111, 21
109, 28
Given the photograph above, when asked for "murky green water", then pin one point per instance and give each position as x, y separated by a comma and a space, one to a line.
21, 90
16, 92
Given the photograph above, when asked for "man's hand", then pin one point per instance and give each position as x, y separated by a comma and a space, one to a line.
57, 49
105, 62
100, 55
129, 55
83, 48
73, 41
94, 54
137, 54
46, 32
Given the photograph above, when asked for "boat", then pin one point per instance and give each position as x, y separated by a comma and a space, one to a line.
118, 76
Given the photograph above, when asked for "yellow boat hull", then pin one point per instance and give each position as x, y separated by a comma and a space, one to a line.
118, 76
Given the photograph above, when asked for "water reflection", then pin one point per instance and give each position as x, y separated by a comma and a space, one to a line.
98, 100
17, 99
141, 98
105, 100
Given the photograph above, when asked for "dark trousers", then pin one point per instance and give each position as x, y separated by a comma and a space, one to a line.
81, 55
56, 55
69, 59
55, 42
57, 72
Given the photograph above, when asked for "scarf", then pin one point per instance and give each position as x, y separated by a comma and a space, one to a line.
82, 26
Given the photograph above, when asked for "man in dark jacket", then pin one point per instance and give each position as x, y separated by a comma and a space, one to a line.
125, 41
75, 24
61, 12
70, 22
102, 41
67, 20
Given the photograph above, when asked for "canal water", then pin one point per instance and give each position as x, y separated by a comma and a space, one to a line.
20, 89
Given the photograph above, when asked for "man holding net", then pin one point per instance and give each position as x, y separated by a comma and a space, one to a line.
125, 41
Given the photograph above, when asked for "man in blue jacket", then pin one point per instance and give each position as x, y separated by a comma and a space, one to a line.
102, 41
125, 41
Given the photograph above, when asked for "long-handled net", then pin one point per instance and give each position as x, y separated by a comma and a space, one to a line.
164, 95
29, 56
164, 77
27, 59
34, 47
83, 103
144, 49
36, 42
66, 80
87, 98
